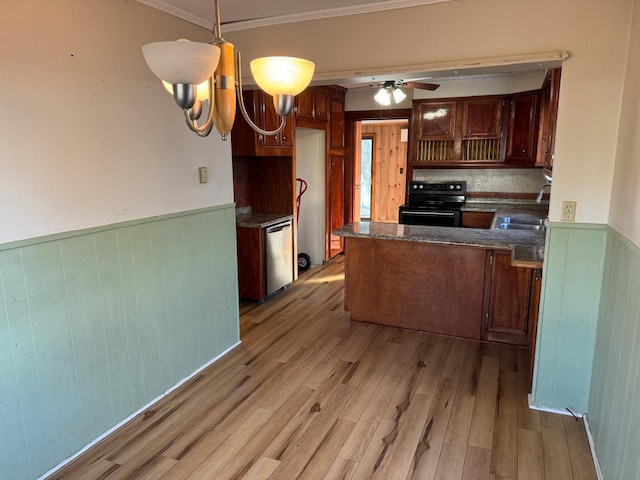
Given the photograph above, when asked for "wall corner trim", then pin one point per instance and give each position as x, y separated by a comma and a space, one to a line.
592, 447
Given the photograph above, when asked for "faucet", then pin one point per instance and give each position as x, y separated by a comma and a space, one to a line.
539, 199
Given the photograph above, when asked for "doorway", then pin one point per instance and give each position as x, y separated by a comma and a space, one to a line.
310, 166
380, 166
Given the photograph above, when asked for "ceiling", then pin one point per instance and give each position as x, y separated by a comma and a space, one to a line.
243, 14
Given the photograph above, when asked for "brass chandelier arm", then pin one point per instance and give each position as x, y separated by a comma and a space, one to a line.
245, 114
204, 129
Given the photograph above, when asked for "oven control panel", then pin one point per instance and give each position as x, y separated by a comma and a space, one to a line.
456, 187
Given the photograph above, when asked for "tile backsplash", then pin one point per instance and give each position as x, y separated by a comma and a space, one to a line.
517, 180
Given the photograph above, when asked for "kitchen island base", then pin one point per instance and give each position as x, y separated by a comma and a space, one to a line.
427, 287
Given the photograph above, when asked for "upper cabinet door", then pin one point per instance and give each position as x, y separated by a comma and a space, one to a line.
246, 142
312, 104
549, 98
305, 105
436, 121
522, 129
336, 126
271, 120
321, 105
482, 118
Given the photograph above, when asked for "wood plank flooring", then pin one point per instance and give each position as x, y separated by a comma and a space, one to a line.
311, 395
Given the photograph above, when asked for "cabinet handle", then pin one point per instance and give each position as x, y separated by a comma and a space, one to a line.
524, 150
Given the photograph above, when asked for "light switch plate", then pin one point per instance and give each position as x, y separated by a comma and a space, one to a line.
203, 173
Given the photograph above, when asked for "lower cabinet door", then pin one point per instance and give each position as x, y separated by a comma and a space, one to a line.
251, 263
506, 300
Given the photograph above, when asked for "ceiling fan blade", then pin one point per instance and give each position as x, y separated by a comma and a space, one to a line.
422, 86
370, 86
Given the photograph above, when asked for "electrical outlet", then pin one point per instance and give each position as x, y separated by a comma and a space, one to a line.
478, 186
568, 211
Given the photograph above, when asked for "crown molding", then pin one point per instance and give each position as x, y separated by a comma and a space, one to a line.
379, 6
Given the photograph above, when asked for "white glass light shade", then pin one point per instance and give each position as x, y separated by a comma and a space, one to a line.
202, 90
383, 97
181, 61
282, 75
398, 95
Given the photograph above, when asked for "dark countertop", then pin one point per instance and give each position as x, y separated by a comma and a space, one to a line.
506, 208
260, 220
527, 247
472, 237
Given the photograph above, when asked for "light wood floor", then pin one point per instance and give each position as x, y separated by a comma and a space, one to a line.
311, 395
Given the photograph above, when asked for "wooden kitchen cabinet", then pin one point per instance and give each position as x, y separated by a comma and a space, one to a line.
252, 276
549, 98
522, 129
458, 131
421, 286
335, 204
246, 142
312, 107
484, 131
435, 120
507, 299
336, 121
477, 219
482, 117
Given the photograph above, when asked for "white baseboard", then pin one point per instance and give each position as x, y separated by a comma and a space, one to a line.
592, 447
135, 414
587, 428
553, 410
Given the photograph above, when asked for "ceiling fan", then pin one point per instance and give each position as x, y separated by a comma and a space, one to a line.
391, 89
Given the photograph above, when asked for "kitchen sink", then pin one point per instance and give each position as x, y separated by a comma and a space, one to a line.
522, 221
521, 226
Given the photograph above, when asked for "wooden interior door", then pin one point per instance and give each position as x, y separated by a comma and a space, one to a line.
388, 169
357, 174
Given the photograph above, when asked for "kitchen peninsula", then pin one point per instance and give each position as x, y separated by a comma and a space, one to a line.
464, 282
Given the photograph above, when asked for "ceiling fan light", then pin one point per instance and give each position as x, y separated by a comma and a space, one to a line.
181, 61
383, 97
398, 95
282, 75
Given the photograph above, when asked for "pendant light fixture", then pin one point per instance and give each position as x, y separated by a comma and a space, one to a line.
210, 72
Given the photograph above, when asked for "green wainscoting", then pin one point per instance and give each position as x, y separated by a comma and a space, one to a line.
96, 324
614, 402
572, 281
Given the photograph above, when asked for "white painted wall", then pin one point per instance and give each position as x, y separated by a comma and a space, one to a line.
595, 32
625, 201
88, 135
310, 166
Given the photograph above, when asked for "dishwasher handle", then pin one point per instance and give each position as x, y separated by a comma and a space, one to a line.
279, 227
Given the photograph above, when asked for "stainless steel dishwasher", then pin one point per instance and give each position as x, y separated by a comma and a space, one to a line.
279, 253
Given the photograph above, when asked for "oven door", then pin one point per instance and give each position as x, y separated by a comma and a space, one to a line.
433, 217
